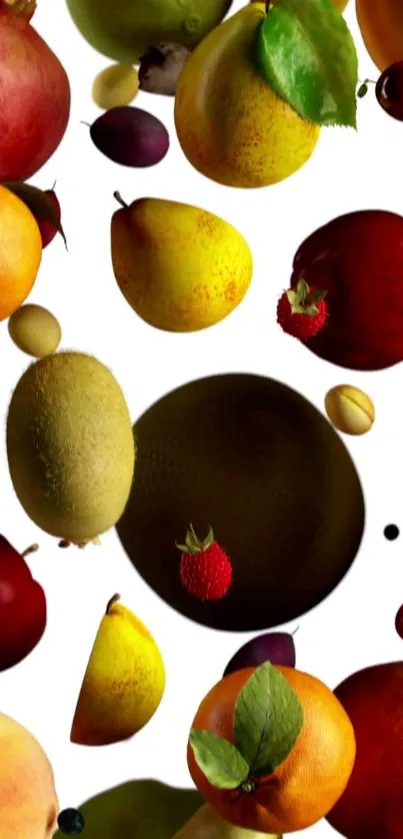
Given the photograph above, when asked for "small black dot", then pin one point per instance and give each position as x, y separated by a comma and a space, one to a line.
391, 532
71, 822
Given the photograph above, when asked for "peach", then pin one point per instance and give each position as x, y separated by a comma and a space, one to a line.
29, 805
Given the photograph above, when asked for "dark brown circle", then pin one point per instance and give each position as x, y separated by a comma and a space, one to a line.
255, 460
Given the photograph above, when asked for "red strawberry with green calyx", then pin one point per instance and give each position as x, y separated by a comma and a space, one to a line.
302, 311
205, 569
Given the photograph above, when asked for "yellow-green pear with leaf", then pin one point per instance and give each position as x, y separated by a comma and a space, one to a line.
248, 116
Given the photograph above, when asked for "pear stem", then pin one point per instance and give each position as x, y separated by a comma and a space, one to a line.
31, 550
113, 600
119, 198
268, 4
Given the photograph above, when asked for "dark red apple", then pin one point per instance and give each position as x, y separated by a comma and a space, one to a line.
34, 96
22, 607
358, 259
371, 806
44, 206
48, 231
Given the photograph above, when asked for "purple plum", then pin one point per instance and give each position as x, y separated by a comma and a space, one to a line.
276, 647
130, 136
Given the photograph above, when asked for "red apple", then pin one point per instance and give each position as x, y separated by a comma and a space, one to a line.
48, 231
22, 607
35, 97
371, 806
358, 259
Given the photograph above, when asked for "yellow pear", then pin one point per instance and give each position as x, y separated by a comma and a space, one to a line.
180, 268
231, 125
28, 800
124, 681
206, 824
141, 809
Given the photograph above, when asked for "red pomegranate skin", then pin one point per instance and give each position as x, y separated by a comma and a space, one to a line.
34, 99
371, 806
358, 259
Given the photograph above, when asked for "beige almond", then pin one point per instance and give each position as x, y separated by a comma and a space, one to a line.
349, 409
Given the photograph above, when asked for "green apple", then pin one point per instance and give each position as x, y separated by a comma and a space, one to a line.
125, 29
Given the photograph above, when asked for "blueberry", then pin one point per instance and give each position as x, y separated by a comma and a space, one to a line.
391, 532
71, 822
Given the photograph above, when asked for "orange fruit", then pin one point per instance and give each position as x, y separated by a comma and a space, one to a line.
381, 27
307, 784
20, 252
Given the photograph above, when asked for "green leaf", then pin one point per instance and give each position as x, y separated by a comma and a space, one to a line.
219, 760
306, 52
362, 90
41, 206
268, 720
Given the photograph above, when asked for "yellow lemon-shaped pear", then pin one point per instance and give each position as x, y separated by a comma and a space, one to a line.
124, 681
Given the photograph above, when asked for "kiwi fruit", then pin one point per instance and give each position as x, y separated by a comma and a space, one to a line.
70, 446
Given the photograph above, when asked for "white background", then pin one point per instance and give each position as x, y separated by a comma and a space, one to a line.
354, 627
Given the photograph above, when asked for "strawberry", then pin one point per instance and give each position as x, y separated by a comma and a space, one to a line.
302, 311
205, 569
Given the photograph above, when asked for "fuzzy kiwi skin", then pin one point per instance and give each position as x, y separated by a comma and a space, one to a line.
70, 446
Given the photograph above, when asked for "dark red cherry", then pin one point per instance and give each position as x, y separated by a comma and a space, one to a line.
389, 90
399, 622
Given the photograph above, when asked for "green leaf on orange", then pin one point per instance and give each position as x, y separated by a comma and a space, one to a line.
268, 719
41, 206
305, 51
220, 761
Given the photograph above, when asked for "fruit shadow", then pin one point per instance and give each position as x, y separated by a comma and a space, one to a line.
259, 463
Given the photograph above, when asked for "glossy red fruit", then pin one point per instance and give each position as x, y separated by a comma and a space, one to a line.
34, 96
399, 622
389, 90
22, 607
371, 806
358, 259
48, 231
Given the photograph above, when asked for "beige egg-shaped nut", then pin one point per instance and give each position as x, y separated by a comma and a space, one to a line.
349, 409
115, 87
35, 330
